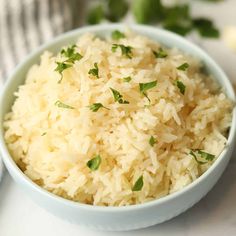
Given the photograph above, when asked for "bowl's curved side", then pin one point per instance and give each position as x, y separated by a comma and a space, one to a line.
129, 217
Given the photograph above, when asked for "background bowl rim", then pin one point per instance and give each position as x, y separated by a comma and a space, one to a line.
141, 29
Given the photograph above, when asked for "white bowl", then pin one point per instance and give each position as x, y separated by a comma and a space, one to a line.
125, 217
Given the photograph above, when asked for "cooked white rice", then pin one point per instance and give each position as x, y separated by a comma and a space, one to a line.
53, 145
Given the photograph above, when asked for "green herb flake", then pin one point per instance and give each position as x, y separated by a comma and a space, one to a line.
127, 79
63, 105
61, 66
180, 86
138, 184
75, 57
94, 71
43, 133
183, 67
118, 97
144, 87
71, 54
94, 163
152, 141
96, 106
125, 50
195, 157
68, 52
160, 54
116, 35
204, 155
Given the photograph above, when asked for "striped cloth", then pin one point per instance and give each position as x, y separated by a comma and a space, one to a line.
25, 24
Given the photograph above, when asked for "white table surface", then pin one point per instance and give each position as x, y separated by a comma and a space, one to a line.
213, 215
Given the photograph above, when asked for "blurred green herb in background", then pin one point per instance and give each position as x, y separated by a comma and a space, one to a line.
176, 18
206, 28
116, 9
147, 11
95, 14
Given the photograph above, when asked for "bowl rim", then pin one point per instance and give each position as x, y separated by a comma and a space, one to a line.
141, 29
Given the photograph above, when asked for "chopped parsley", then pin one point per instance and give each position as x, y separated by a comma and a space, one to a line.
183, 67
205, 155
152, 141
61, 66
125, 50
138, 184
94, 71
202, 154
160, 54
127, 79
180, 86
63, 105
96, 106
43, 133
116, 35
71, 56
94, 163
118, 97
195, 157
143, 87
